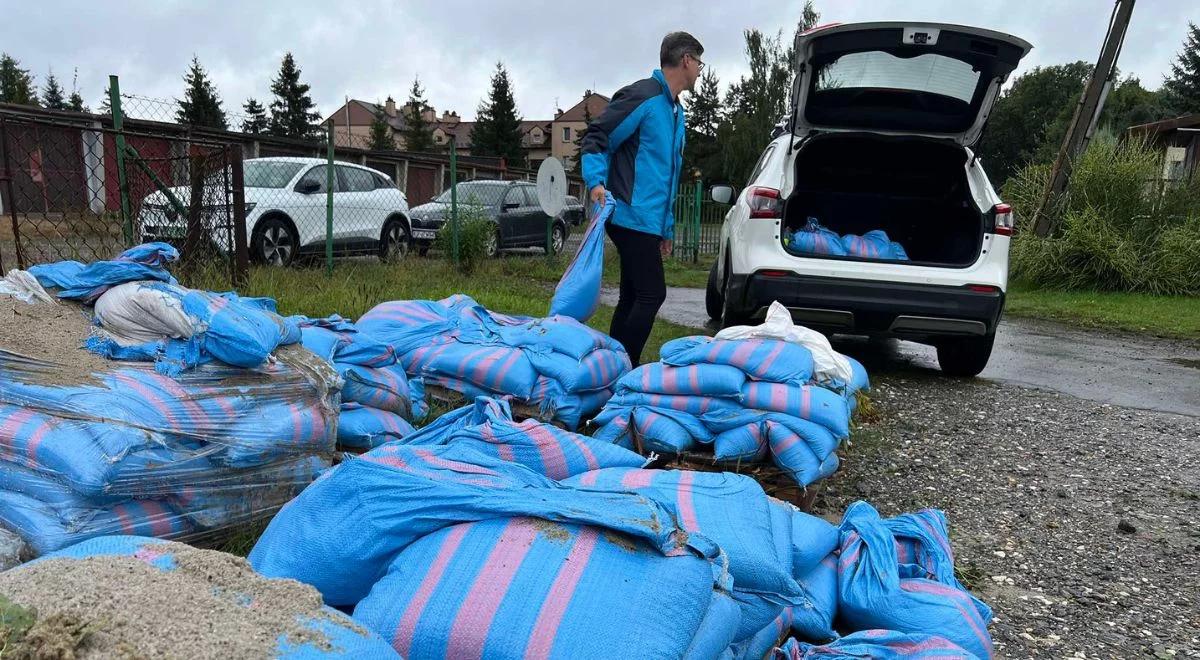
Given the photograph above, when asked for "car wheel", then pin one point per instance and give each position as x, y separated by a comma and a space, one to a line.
395, 241
558, 238
714, 299
965, 357
493, 245
275, 242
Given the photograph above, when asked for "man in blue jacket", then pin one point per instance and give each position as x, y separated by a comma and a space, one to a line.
634, 150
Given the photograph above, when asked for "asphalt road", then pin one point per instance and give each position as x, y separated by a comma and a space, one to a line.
1120, 369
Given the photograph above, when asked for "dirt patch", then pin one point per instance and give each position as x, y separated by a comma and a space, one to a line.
212, 605
552, 530
51, 336
621, 541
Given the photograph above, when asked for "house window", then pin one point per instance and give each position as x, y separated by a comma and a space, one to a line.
566, 133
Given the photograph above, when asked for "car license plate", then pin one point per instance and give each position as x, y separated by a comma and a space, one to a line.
424, 234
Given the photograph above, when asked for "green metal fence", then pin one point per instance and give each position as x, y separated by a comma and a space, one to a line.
698, 222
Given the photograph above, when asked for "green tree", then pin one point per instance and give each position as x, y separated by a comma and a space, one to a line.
16, 84
418, 133
53, 96
76, 101
1031, 116
380, 138
577, 162
200, 105
1183, 85
704, 117
292, 111
256, 121
497, 130
757, 102
1130, 104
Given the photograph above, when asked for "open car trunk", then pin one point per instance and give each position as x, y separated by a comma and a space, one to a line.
913, 188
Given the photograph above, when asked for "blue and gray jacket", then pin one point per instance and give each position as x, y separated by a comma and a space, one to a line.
635, 150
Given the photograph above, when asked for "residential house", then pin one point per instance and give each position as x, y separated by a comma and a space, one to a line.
567, 126
541, 138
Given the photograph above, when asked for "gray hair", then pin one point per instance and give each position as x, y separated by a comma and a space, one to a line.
675, 46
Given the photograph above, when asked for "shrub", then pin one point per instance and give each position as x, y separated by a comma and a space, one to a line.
1118, 227
474, 232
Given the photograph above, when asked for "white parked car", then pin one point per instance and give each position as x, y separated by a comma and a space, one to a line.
286, 211
882, 124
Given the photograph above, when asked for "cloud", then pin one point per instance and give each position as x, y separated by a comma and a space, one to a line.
369, 49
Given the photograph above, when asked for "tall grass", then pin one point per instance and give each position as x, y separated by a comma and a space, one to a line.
1119, 227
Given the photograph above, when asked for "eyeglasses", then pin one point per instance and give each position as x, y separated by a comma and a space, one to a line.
699, 64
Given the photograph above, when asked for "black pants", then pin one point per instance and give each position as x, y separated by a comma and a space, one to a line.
643, 288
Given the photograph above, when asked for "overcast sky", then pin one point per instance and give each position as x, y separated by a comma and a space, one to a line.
368, 49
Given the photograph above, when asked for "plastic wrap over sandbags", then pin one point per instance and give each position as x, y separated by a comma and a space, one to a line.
875, 645
578, 292
344, 531
750, 399
378, 399
558, 365
319, 632
829, 366
524, 587
122, 449
74, 280
898, 574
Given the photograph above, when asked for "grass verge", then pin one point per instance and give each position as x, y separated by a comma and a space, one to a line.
1177, 317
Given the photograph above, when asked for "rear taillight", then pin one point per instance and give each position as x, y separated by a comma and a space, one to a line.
764, 203
1004, 219
774, 273
983, 288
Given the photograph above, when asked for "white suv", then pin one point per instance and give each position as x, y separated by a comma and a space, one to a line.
883, 119
286, 211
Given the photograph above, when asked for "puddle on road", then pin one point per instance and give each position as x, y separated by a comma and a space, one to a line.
1186, 362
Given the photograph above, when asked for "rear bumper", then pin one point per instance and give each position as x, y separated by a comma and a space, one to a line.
870, 307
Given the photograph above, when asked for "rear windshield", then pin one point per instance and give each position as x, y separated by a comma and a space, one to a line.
485, 193
935, 74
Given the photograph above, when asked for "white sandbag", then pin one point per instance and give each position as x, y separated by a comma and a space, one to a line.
135, 314
24, 287
828, 364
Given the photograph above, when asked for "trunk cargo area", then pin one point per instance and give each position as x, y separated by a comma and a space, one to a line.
914, 189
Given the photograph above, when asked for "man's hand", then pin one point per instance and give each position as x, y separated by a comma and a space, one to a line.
598, 195
665, 246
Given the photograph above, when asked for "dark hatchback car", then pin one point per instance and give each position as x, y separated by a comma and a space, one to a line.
512, 205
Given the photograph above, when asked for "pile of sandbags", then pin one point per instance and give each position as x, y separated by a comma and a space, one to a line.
813, 238
748, 394
378, 399
91, 446
479, 536
557, 365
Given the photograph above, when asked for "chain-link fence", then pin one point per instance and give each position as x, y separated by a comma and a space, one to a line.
75, 189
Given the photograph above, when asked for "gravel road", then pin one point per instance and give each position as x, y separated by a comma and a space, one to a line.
1075, 520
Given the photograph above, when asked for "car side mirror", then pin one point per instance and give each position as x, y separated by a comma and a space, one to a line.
308, 187
722, 194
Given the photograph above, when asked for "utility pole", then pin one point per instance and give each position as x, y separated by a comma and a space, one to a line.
1087, 113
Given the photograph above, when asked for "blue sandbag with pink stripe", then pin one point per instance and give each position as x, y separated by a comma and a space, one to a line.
341, 534
804, 449
653, 429
46, 529
86, 282
523, 587
578, 292
710, 380
770, 360
813, 619
921, 595
733, 511
360, 427
876, 645
812, 238
808, 402
385, 388
543, 448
